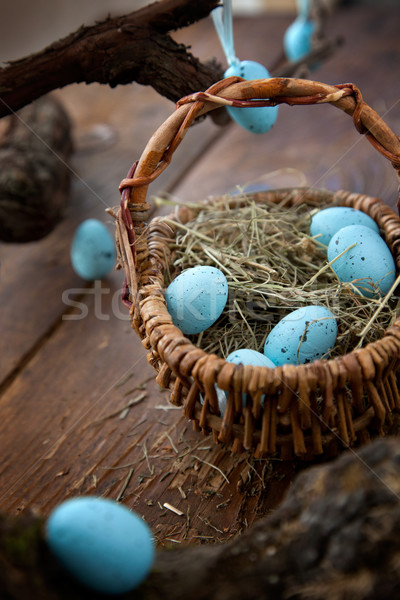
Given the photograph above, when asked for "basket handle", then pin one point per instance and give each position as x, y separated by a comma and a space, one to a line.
237, 92
234, 91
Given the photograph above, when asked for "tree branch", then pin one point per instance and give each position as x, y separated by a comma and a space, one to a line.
135, 47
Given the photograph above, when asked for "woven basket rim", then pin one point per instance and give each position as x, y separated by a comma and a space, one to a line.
355, 199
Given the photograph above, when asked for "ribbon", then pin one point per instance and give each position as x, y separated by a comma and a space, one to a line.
223, 23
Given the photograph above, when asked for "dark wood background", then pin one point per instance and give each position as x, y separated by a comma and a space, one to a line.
66, 427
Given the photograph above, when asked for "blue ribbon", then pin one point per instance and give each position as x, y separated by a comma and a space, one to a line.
223, 23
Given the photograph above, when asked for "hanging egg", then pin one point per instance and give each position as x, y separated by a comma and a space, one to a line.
325, 223
258, 119
93, 252
297, 40
369, 264
304, 335
101, 543
196, 298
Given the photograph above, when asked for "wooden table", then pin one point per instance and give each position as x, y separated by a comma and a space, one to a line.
71, 368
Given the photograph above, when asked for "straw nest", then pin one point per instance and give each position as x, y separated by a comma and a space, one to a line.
273, 267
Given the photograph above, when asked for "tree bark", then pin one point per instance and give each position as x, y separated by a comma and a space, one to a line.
135, 47
34, 174
334, 536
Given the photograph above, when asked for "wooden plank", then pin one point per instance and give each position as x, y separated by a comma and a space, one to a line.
79, 371
66, 429
52, 450
75, 379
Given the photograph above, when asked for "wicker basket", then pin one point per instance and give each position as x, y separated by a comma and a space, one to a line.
312, 409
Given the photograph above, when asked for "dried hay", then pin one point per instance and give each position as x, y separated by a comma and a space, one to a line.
273, 267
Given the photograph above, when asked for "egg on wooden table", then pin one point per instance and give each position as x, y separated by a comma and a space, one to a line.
101, 543
258, 119
196, 298
325, 223
93, 252
368, 262
302, 336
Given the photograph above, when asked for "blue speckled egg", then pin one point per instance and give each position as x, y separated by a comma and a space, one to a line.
243, 356
196, 298
104, 545
304, 335
369, 264
259, 119
297, 39
246, 356
325, 223
93, 252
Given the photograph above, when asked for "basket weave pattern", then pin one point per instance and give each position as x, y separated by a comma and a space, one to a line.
305, 409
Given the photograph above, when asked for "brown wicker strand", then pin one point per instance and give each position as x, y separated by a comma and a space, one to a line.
299, 444
376, 402
316, 432
304, 402
389, 394
262, 449
190, 401
226, 430
392, 383
355, 382
176, 394
329, 409
341, 419
248, 428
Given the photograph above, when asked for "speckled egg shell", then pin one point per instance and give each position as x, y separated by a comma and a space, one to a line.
243, 356
297, 39
325, 223
93, 253
196, 298
101, 543
304, 335
369, 261
256, 120
246, 356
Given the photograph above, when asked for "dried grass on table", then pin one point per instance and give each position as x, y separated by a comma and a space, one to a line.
272, 266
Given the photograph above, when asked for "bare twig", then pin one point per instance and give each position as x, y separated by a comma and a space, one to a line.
125, 485
207, 522
213, 467
121, 410
135, 47
173, 509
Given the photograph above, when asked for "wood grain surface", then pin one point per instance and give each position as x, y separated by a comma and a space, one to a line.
80, 410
